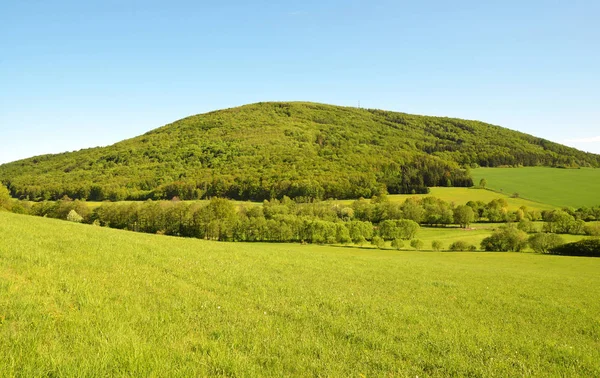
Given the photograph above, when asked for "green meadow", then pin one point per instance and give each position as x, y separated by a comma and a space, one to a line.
553, 186
79, 300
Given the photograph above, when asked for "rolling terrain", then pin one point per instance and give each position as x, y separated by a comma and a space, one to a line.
81, 300
270, 150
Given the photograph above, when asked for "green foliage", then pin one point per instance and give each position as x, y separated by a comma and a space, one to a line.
147, 305
544, 242
507, 238
437, 245
461, 245
269, 150
592, 229
5, 199
74, 217
378, 242
464, 215
397, 244
482, 183
588, 247
417, 244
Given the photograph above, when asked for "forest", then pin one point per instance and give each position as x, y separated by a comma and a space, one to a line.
299, 150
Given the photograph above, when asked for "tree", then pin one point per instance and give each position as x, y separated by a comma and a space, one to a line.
558, 222
508, 238
482, 183
398, 244
378, 242
5, 199
436, 245
74, 217
461, 245
464, 215
416, 244
544, 242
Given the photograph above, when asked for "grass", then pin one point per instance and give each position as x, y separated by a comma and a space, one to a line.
554, 186
78, 300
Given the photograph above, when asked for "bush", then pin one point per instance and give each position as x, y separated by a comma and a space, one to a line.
461, 245
74, 217
588, 247
508, 238
378, 242
543, 242
397, 243
592, 229
436, 245
416, 244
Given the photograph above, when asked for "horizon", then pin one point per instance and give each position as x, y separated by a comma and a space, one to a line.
88, 75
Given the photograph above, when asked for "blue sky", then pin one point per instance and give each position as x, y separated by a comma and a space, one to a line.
76, 74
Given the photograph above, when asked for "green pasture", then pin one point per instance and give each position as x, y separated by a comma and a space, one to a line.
554, 186
79, 300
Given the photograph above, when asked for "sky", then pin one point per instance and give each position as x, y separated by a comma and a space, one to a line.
78, 74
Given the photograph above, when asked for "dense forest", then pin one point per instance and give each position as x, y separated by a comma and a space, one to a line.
271, 150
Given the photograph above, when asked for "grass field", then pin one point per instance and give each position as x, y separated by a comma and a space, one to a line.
554, 186
78, 300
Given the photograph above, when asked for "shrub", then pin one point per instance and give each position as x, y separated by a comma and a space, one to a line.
397, 243
588, 247
543, 242
592, 229
360, 241
378, 242
436, 245
461, 245
74, 217
508, 238
416, 244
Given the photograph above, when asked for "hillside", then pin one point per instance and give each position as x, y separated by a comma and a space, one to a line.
150, 305
297, 149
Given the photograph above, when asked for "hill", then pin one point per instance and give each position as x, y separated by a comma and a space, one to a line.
150, 305
269, 150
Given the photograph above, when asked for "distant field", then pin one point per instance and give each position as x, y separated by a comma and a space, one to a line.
78, 300
558, 187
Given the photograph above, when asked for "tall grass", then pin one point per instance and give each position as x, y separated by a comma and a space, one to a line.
78, 300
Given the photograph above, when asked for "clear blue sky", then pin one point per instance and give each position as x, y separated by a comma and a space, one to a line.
77, 74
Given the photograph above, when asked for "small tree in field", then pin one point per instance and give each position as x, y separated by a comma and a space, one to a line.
360, 241
378, 242
416, 244
74, 217
482, 183
464, 215
543, 242
436, 245
397, 243
5, 201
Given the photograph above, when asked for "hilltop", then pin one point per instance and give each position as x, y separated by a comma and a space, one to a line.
297, 149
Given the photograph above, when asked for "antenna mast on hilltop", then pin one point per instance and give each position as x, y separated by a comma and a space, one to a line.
359, 104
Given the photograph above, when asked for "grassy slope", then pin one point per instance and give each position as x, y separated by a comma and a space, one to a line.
558, 187
80, 300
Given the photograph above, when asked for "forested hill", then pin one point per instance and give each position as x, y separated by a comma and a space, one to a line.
297, 149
